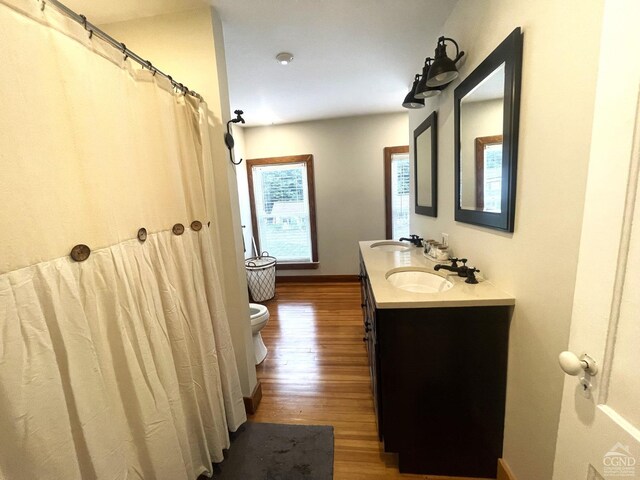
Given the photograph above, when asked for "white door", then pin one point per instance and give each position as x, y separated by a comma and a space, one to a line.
599, 434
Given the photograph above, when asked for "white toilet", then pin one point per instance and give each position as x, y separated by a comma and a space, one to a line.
259, 318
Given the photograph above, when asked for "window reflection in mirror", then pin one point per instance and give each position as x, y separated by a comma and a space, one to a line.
488, 158
481, 123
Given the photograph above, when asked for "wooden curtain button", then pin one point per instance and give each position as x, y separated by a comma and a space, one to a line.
196, 225
142, 234
178, 229
80, 253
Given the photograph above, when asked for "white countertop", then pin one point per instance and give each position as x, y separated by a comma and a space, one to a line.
462, 294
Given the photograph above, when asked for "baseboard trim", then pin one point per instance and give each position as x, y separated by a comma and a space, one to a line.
251, 403
504, 472
317, 278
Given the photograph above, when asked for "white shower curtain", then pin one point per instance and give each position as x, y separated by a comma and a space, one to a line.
120, 366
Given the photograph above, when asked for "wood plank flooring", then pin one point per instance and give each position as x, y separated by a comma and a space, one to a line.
316, 373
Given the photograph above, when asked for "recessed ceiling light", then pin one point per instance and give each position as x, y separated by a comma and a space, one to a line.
284, 58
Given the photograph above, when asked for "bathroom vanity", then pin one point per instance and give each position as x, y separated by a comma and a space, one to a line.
438, 362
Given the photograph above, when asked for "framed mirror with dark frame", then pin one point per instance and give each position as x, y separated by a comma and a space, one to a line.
487, 110
425, 158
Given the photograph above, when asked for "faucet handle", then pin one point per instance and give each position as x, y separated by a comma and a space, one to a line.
416, 240
471, 277
454, 261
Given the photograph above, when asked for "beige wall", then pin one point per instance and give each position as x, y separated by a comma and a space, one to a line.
537, 263
243, 189
349, 179
189, 46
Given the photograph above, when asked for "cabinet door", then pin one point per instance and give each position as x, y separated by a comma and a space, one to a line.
362, 276
372, 350
443, 373
370, 339
368, 307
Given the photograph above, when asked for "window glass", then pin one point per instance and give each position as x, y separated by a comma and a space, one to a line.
400, 195
281, 196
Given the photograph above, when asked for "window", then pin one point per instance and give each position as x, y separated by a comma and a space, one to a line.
396, 186
489, 173
283, 213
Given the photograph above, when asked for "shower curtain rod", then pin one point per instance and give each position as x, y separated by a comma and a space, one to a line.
94, 30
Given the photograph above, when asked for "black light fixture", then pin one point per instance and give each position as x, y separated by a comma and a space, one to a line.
443, 69
423, 90
410, 101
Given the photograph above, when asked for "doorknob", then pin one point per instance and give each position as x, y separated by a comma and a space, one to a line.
572, 365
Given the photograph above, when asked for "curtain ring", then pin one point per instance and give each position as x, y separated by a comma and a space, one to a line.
124, 51
42, 5
174, 84
84, 24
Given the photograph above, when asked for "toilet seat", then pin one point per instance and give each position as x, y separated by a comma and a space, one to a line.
258, 312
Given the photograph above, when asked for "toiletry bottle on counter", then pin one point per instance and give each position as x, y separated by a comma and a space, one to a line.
442, 252
428, 247
436, 250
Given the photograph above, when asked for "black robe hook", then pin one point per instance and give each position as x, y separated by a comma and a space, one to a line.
228, 138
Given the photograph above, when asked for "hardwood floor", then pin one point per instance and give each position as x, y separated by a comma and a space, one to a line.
316, 373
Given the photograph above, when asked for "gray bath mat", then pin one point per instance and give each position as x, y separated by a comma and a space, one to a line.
268, 451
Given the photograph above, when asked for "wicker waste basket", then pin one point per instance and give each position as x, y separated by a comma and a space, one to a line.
261, 276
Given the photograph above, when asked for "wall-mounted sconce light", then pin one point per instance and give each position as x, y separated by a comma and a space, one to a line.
228, 138
437, 73
423, 90
443, 69
411, 101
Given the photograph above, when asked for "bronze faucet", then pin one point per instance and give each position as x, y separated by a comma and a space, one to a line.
462, 270
415, 240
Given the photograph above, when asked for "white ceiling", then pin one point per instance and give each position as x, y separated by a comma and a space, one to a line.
351, 57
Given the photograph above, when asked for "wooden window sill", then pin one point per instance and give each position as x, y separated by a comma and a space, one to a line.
297, 266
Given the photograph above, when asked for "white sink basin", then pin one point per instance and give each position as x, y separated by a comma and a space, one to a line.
391, 246
418, 281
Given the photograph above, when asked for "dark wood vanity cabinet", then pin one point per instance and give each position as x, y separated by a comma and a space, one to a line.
438, 378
